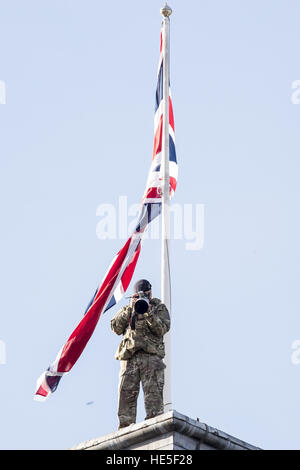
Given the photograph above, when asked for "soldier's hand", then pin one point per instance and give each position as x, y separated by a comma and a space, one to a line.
148, 314
126, 314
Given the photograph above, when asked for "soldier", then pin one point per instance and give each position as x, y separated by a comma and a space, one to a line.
143, 324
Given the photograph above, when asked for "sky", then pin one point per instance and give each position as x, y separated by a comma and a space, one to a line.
77, 93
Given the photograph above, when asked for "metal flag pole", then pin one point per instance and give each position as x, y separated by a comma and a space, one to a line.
166, 11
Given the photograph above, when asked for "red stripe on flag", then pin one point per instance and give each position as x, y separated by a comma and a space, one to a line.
171, 115
158, 138
153, 193
82, 333
128, 273
42, 392
173, 183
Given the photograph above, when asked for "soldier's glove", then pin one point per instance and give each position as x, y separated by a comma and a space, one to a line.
148, 315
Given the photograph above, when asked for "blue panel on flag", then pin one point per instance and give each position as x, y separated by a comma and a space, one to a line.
172, 150
111, 303
159, 89
92, 300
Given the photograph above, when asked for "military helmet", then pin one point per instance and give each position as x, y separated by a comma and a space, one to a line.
142, 285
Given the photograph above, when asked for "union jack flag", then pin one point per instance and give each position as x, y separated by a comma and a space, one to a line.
120, 272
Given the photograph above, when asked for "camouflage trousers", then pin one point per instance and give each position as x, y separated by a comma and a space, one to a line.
148, 369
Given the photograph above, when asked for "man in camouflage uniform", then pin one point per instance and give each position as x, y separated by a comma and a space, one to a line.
140, 353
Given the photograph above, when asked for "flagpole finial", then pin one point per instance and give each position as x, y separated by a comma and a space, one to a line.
166, 11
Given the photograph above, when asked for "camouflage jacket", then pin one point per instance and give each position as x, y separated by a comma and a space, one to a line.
148, 333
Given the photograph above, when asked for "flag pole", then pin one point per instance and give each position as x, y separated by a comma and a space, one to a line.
166, 11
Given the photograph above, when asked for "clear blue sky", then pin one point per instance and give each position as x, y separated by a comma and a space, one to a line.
76, 131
